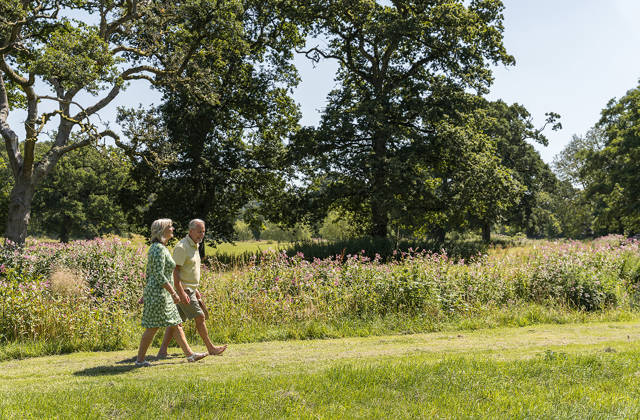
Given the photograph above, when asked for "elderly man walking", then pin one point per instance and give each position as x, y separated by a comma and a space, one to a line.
186, 280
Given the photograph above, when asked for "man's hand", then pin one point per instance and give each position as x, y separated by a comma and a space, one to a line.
198, 295
178, 285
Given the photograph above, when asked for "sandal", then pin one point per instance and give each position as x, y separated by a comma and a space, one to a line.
144, 363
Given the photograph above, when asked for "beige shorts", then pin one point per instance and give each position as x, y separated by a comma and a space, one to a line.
192, 309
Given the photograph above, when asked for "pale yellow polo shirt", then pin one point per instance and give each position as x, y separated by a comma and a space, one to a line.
186, 255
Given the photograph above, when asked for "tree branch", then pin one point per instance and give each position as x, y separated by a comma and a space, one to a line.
315, 53
30, 130
49, 161
73, 146
13, 75
62, 101
142, 77
9, 136
364, 52
131, 13
124, 48
15, 31
130, 74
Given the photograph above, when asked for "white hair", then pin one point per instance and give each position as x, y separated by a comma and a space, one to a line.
194, 223
157, 229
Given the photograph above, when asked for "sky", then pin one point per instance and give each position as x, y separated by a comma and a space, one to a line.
572, 57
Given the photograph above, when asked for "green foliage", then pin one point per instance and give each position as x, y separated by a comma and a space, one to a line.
98, 283
274, 232
386, 249
568, 213
30, 312
242, 231
73, 297
610, 173
111, 269
528, 206
224, 67
16, 98
336, 227
571, 163
84, 196
219, 144
76, 56
574, 203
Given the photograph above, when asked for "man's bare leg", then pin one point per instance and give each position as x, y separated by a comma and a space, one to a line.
201, 326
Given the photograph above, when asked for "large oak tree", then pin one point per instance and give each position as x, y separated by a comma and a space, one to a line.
80, 55
405, 74
225, 153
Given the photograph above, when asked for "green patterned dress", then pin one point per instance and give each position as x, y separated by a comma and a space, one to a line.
159, 309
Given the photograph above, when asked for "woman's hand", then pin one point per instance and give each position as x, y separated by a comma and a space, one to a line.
175, 297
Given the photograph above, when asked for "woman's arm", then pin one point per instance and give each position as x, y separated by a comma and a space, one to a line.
167, 286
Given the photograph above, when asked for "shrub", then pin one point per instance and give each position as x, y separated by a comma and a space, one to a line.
110, 268
386, 249
30, 311
74, 296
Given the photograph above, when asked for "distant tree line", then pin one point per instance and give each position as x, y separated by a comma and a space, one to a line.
408, 145
599, 172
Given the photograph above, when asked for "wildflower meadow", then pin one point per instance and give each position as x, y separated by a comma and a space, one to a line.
84, 295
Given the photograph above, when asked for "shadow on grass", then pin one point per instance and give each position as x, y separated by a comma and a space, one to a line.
122, 366
105, 370
153, 359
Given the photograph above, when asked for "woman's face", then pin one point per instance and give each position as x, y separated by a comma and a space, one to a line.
168, 232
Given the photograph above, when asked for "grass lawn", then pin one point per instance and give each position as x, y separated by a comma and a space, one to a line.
549, 371
241, 247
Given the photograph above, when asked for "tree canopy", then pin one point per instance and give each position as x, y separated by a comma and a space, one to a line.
80, 54
209, 158
405, 72
611, 171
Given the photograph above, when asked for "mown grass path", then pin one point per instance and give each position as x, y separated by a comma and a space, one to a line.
548, 371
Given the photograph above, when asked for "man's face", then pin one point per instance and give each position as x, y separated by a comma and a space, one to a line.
197, 233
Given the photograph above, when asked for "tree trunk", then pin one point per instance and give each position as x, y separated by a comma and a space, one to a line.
379, 219
441, 235
486, 232
379, 193
64, 230
19, 212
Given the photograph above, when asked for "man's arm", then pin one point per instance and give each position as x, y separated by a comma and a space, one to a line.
177, 283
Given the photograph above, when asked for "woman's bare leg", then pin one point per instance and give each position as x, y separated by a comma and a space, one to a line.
178, 333
145, 342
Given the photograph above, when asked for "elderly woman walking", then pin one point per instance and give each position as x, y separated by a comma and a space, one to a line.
159, 296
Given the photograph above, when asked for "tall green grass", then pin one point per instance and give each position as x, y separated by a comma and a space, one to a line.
284, 297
